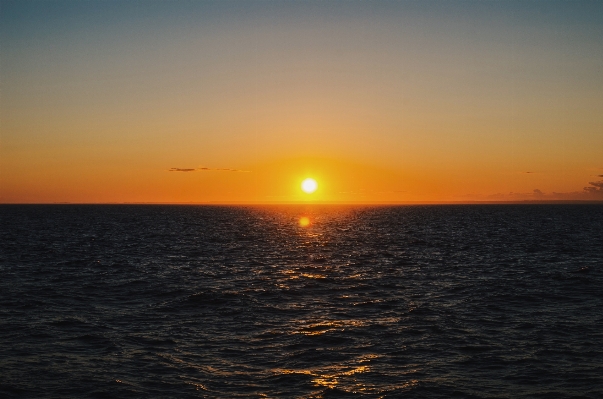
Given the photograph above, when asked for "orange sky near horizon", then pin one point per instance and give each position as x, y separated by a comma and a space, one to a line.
390, 102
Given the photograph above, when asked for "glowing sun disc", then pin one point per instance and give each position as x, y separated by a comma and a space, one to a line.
309, 185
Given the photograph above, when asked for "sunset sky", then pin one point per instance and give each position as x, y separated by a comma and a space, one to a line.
239, 102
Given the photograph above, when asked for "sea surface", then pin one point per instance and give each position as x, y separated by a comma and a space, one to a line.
135, 301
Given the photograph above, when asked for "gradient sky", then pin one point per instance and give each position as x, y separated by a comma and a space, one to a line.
378, 101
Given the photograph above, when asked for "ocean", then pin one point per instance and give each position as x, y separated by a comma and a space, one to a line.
442, 301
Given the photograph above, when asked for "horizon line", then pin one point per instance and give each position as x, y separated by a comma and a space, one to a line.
264, 203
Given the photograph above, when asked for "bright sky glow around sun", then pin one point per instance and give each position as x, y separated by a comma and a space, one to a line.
238, 101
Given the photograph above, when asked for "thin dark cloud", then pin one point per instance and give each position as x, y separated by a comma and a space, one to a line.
205, 169
223, 169
594, 192
181, 170
596, 188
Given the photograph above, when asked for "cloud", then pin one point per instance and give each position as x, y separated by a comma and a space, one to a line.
596, 189
229, 170
594, 192
204, 169
181, 170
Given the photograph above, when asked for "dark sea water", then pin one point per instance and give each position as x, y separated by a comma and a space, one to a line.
501, 301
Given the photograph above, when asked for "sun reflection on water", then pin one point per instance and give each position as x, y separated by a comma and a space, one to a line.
304, 221
345, 377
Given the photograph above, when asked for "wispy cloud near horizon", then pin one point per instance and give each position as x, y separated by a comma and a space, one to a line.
594, 192
181, 170
205, 169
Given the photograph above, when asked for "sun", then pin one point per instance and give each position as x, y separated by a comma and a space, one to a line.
309, 185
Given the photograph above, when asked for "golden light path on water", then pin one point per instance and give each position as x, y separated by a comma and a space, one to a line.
344, 376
